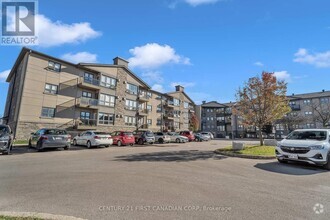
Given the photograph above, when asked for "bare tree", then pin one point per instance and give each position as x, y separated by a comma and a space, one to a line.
290, 120
321, 112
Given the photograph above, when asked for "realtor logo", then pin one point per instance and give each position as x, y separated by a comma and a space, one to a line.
18, 22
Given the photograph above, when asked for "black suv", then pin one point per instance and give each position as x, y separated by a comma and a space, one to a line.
6, 139
142, 137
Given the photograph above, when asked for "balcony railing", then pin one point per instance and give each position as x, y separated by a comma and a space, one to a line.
85, 123
143, 97
143, 111
87, 102
131, 108
295, 107
91, 81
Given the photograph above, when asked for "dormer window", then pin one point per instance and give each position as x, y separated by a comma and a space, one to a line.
54, 66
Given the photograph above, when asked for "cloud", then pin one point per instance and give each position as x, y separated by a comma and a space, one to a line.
184, 84
258, 63
4, 75
80, 57
153, 55
321, 60
283, 75
158, 88
195, 3
153, 77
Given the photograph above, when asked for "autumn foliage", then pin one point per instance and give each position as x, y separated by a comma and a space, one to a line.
262, 101
194, 122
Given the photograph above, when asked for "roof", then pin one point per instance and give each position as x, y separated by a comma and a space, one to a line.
169, 93
310, 95
79, 65
121, 66
215, 104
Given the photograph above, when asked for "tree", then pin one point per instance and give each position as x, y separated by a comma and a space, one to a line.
321, 111
262, 101
194, 122
290, 120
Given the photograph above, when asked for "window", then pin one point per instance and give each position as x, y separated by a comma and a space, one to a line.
309, 125
324, 100
308, 113
159, 108
85, 115
105, 119
149, 108
131, 105
211, 118
159, 121
149, 94
130, 120
186, 105
220, 118
211, 110
221, 128
54, 66
107, 100
292, 103
208, 118
240, 126
176, 113
131, 89
307, 101
48, 112
51, 89
176, 125
176, 102
108, 82
149, 122
86, 94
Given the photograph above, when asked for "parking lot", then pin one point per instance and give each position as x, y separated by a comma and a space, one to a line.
162, 181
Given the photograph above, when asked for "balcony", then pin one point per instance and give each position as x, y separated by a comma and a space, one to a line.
221, 122
143, 112
86, 124
89, 83
143, 97
143, 126
169, 104
169, 116
295, 107
131, 108
87, 103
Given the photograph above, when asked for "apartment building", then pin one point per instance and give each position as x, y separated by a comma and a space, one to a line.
305, 113
45, 91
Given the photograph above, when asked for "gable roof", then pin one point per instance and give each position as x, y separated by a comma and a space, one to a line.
213, 104
310, 95
169, 93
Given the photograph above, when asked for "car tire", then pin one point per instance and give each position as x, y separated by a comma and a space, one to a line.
177, 140
282, 161
119, 143
74, 142
140, 142
66, 148
161, 140
30, 145
151, 143
327, 165
38, 147
106, 146
89, 145
131, 145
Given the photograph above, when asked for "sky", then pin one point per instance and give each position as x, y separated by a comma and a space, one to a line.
211, 47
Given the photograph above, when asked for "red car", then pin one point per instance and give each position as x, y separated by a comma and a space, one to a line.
123, 138
188, 134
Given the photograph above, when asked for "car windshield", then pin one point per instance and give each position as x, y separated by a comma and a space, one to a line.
128, 133
101, 133
4, 130
149, 134
308, 135
55, 132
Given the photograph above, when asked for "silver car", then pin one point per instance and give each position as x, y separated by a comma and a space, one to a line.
50, 138
306, 145
6, 139
93, 139
207, 134
162, 137
175, 137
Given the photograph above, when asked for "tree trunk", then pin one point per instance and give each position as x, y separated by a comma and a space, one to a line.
261, 138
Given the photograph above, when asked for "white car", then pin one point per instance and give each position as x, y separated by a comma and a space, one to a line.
306, 145
208, 135
93, 139
175, 137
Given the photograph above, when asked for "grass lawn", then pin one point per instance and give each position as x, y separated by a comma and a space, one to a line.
18, 218
255, 150
21, 142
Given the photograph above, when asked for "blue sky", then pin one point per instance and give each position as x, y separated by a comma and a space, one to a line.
209, 46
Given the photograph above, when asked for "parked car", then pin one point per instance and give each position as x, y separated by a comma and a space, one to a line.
50, 138
123, 138
188, 134
93, 139
162, 137
142, 137
208, 134
175, 137
6, 139
200, 137
306, 145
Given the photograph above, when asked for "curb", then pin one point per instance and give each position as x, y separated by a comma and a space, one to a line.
231, 154
39, 215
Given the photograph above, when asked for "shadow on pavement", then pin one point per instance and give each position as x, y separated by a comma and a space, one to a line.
171, 156
291, 168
